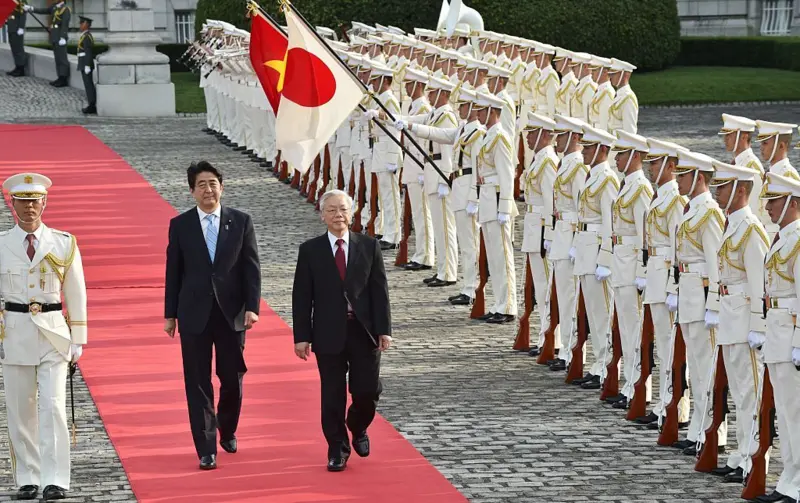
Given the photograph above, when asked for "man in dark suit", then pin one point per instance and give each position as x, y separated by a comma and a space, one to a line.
340, 309
213, 289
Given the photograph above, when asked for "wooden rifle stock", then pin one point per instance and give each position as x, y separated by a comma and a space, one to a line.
523, 340
479, 304
575, 370
402, 252
638, 404
340, 176
520, 168
362, 194
708, 456
295, 184
326, 178
756, 483
311, 192
669, 428
351, 184
276, 168
611, 382
548, 351
284, 176
373, 205
306, 179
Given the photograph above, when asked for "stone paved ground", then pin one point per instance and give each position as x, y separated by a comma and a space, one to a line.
499, 427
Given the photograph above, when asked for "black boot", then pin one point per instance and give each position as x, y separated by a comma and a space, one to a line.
90, 110
18, 71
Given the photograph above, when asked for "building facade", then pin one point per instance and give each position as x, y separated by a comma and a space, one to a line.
739, 18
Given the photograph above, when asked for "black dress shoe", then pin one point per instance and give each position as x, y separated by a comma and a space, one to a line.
90, 110
722, 471
389, 246
208, 462
438, 283
461, 300
54, 493
559, 365
206, 130
337, 464
735, 477
594, 383
649, 418
27, 492
361, 444
485, 316
61, 82
247, 152
431, 279
683, 444
239, 148
534, 351
615, 399
773, 497
500, 318
17, 72
588, 377
229, 446
622, 404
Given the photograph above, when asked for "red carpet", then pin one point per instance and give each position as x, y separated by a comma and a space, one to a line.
133, 369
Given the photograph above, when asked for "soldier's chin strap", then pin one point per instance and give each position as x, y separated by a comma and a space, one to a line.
785, 207
694, 182
594, 157
730, 199
661, 170
628, 164
774, 151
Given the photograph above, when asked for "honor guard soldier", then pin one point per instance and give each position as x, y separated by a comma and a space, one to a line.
537, 184
584, 93
37, 342
741, 285
60, 15
86, 64
782, 345
569, 181
776, 140
16, 38
592, 248
663, 216
696, 299
737, 133
628, 275
624, 111
494, 195
600, 107
569, 82
548, 83
498, 79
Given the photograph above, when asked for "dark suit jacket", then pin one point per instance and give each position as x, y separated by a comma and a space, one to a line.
193, 282
319, 296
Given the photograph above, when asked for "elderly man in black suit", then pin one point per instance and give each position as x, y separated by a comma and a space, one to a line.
213, 290
340, 309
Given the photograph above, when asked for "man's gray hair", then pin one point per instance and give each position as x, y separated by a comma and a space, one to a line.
334, 193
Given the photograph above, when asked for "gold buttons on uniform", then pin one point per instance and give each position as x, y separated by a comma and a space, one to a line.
31, 286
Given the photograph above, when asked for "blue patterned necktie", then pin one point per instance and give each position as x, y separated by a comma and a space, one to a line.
211, 237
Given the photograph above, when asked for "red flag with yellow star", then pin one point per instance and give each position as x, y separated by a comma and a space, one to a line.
267, 55
6, 8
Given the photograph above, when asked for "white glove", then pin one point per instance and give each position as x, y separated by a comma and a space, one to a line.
640, 284
62, 42
672, 302
472, 208
756, 339
602, 273
503, 218
21, 32
87, 70
370, 114
76, 350
421, 179
444, 190
27, 8
400, 125
796, 356
573, 253
712, 319
547, 244
391, 167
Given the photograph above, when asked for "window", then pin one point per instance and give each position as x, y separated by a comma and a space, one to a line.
184, 26
4, 34
776, 17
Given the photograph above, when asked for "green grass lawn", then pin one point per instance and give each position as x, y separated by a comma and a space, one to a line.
677, 85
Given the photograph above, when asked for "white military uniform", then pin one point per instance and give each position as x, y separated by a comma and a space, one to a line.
565, 93
547, 87
782, 346
387, 157
741, 286
624, 111
38, 345
733, 124
599, 110
582, 99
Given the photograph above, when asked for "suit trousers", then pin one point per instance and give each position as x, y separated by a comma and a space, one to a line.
663, 321
445, 237
423, 227
196, 350
542, 273
598, 296
629, 316
785, 380
389, 193
468, 246
62, 62
699, 355
17, 43
88, 85
362, 360
565, 290
500, 257
39, 439
745, 372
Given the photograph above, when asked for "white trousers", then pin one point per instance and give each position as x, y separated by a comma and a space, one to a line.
243, 126
542, 273
389, 193
598, 296
229, 121
565, 290
699, 356
468, 246
785, 380
37, 427
745, 372
500, 257
629, 316
663, 322
444, 237
423, 227
212, 121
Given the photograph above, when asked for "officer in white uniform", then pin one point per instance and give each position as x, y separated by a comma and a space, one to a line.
624, 111
584, 92
600, 106
738, 133
776, 140
38, 265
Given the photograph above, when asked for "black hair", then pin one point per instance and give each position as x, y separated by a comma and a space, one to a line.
201, 167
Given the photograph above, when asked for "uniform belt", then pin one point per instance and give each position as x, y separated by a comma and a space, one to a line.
738, 289
567, 216
781, 302
460, 172
81, 54
33, 308
589, 227
436, 157
699, 268
623, 240
658, 251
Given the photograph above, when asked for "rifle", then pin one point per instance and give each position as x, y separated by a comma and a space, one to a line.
646, 362
548, 350
709, 439
523, 339
302, 187
479, 304
669, 427
611, 378
520, 168
340, 176
402, 253
373, 205
284, 172
755, 472
326, 178
351, 184
579, 332
319, 168
362, 194
276, 168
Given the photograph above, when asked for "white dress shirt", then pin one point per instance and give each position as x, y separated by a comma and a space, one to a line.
204, 222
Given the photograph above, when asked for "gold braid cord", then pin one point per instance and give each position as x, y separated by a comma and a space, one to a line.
56, 263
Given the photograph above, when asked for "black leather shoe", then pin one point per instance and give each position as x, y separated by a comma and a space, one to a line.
594, 383
500, 318
559, 365
722, 471
431, 279
361, 444
649, 418
61, 82
622, 404
485, 316
17, 72
54, 493
27, 492
534, 351
229, 446
388, 246
683, 444
461, 300
735, 477
90, 110
208, 462
439, 283
239, 148
247, 152
337, 464
588, 377
774, 497
615, 399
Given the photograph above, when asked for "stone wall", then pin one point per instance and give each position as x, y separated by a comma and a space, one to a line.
41, 64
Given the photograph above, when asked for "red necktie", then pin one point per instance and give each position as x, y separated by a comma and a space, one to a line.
31, 249
341, 264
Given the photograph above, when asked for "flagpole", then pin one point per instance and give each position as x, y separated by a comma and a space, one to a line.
269, 18
363, 109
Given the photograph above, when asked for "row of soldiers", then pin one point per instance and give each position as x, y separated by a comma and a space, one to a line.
673, 261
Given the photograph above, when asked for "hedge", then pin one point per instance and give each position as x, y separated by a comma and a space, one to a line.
174, 51
646, 34
782, 53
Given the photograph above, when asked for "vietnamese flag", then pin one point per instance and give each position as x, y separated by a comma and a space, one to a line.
267, 47
6, 8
